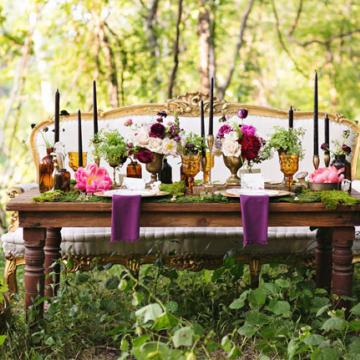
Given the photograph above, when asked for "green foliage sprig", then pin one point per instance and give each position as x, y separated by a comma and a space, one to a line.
193, 144
112, 147
286, 140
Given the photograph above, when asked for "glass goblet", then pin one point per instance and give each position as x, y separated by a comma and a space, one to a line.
74, 159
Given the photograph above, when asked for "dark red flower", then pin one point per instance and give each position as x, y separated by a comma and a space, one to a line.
346, 149
157, 130
242, 113
250, 147
325, 146
144, 156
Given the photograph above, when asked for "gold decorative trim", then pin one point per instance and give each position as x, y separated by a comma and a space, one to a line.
11, 264
188, 106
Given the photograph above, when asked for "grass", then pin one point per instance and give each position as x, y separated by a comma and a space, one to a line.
107, 313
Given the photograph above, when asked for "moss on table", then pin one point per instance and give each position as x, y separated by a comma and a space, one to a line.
330, 198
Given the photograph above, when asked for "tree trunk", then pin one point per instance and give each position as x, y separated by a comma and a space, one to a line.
176, 51
243, 24
204, 26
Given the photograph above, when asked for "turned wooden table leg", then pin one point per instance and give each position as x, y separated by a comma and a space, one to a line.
342, 268
34, 266
52, 266
323, 257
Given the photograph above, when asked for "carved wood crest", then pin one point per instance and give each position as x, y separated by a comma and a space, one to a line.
190, 104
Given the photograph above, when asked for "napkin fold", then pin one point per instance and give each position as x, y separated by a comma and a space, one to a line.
125, 218
255, 218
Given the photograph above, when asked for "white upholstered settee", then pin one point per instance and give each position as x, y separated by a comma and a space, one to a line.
191, 248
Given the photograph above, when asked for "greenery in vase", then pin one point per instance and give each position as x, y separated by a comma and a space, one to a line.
193, 144
284, 140
339, 146
112, 147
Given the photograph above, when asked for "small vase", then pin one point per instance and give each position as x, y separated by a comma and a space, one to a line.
154, 167
115, 163
289, 165
340, 162
233, 163
190, 166
46, 171
165, 175
134, 170
62, 180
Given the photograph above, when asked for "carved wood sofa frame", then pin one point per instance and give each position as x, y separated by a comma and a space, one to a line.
184, 106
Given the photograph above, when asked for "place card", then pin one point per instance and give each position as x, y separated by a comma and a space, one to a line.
133, 183
252, 181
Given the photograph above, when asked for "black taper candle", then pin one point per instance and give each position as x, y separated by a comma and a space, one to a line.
316, 117
57, 117
80, 152
327, 130
291, 118
211, 108
95, 112
202, 118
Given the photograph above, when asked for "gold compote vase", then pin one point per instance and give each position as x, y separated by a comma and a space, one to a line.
190, 167
289, 165
233, 163
154, 167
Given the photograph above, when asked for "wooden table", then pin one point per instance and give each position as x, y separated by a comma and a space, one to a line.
42, 223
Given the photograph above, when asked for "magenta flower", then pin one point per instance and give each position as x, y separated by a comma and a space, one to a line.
224, 129
144, 156
92, 179
157, 130
248, 130
242, 113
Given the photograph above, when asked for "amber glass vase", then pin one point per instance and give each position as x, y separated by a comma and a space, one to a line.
46, 172
62, 180
190, 167
134, 170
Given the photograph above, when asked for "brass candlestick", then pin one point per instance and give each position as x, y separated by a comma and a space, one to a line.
316, 161
327, 158
210, 144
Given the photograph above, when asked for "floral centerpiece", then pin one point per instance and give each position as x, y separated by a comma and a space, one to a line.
239, 143
150, 142
192, 148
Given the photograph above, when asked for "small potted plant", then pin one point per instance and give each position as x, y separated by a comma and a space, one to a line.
113, 148
287, 142
192, 148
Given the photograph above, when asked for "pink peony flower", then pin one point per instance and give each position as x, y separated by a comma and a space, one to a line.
248, 130
92, 179
224, 129
330, 175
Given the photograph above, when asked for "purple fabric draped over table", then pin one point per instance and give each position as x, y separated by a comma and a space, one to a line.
255, 218
125, 218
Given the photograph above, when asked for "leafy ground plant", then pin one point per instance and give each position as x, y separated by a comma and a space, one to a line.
109, 313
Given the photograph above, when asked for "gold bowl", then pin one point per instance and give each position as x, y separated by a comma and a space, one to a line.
289, 165
190, 168
154, 167
233, 163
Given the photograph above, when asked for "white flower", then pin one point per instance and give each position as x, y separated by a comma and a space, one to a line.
231, 147
141, 137
169, 147
231, 136
155, 145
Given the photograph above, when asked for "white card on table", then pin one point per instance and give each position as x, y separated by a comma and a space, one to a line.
133, 183
252, 181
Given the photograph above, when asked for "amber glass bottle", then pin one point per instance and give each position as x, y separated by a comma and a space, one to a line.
62, 180
46, 172
133, 170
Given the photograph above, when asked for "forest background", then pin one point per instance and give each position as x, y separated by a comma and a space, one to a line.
261, 52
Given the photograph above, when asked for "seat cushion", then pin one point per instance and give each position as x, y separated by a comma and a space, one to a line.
176, 241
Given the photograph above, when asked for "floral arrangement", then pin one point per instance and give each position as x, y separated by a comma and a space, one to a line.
327, 175
340, 147
92, 179
156, 137
192, 144
112, 147
240, 140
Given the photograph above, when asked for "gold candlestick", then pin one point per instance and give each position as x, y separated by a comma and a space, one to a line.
316, 161
210, 144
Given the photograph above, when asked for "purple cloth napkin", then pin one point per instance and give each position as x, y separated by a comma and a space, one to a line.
255, 218
125, 218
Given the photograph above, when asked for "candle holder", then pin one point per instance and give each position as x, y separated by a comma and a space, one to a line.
207, 163
210, 144
327, 158
316, 161
74, 159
